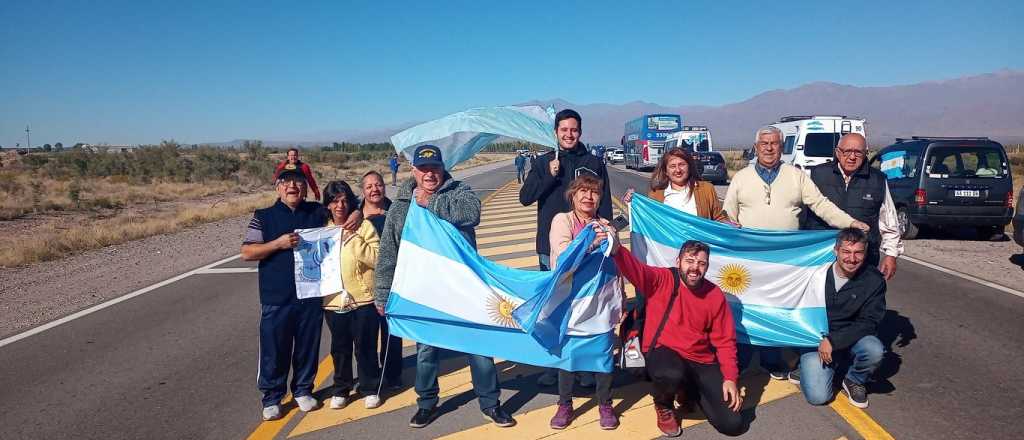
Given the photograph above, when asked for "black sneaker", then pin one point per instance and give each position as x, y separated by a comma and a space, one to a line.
857, 393
422, 418
499, 417
794, 377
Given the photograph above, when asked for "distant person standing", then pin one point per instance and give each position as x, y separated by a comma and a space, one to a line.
520, 167
293, 163
393, 164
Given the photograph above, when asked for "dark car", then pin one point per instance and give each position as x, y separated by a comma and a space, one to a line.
1018, 220
713, 168
948, 181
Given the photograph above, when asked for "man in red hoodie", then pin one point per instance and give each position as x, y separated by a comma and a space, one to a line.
695, 350
293, 163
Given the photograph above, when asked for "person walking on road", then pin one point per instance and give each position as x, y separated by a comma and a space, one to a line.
393, 165
289, 327
350, 314
584, 195
453, 201
292, 162
691, 346
676, 182
375, 207
855, 303
862, 192
520, 167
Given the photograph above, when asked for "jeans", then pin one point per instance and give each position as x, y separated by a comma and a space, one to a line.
816, 378
485, 378
355, 329
670, 373
544, 262
289, 339
521, 174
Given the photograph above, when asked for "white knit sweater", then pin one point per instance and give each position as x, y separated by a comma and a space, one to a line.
748, 204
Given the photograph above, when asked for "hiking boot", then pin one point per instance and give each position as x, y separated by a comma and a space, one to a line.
563, 416
499, 417
272, 412
794, 377
857, 393
608, 418
422, 418
307, 403
667, 422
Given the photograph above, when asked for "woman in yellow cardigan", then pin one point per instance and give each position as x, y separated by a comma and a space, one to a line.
676, 182
350, 314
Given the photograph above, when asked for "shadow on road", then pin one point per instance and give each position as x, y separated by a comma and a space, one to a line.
895, 331
1018, 260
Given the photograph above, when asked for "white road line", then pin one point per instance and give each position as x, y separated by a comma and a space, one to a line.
109, 303
963, 276
228, 270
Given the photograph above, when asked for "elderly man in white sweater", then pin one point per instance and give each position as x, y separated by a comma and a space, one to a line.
770, 195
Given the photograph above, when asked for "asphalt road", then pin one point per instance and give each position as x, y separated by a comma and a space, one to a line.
180, 362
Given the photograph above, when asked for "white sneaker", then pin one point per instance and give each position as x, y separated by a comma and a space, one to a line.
372, 401
307, 403
339, 402
272, 412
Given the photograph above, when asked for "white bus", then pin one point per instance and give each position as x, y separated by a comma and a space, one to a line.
694, 138
811, 140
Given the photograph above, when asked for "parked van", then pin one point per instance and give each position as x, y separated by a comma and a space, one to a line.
948, 181
694, 138
811, 140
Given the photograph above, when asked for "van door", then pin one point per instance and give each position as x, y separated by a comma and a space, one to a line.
966, 179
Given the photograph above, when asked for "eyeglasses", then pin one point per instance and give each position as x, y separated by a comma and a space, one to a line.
851, 153
767, 195
291, 182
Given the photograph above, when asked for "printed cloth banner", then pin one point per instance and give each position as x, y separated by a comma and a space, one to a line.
444, 294
461, 135
318, 262
774, 280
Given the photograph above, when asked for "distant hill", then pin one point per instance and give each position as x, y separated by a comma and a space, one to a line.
983, 105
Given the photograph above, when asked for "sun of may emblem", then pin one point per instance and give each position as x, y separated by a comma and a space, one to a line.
734, 278
500, 309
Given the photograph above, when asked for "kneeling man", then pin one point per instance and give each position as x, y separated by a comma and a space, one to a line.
855, 300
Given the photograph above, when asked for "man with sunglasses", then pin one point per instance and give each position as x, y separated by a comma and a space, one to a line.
863, 193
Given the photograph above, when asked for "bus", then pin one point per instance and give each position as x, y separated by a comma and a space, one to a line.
643, 139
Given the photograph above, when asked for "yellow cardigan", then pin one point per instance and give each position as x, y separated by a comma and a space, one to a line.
359, 258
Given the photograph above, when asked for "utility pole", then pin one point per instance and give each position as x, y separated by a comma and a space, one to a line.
28, 137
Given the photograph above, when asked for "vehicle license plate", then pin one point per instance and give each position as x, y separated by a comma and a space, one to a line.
967, 193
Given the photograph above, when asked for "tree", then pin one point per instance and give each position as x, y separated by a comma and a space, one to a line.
47, 148
58, 147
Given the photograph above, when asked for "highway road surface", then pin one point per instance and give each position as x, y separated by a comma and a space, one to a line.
179, 362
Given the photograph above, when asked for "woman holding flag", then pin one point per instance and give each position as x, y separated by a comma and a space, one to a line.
584, 196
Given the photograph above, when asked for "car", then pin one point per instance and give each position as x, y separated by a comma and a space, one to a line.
615, 155
1018, 220
713, 168
948, 182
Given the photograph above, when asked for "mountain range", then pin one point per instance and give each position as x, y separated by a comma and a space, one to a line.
990, 105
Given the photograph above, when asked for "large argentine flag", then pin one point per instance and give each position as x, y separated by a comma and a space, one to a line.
774, 280
446, 295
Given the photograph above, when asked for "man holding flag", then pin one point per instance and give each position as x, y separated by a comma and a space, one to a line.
452, 201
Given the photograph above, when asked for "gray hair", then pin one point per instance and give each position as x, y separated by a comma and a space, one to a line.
766, 130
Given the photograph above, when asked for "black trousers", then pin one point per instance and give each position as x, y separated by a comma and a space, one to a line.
289, 339
392, 362
670, 373
355, 329
602, 381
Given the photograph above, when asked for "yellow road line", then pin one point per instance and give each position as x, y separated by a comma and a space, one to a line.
502, 204
508, 237
495, 210
269, 429
508, 216
859, 420
520, 262
508, 249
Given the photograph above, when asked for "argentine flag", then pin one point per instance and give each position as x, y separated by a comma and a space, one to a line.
774, 280
444, 294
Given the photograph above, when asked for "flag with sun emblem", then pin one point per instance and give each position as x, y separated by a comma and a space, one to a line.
446, 295
774, 280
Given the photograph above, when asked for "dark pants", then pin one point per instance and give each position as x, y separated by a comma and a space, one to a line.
770, 357
481, 370
671, 373
603, 382
394, 177
355, 329
289, 337
390, 354
521, 174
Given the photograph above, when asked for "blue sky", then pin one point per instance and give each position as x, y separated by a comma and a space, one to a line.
142, 71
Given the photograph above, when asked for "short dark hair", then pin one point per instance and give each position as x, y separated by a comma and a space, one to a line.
340, 187
851, 235
693, 247
566, 114
296, 150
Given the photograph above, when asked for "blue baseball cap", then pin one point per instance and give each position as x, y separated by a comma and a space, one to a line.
427, 155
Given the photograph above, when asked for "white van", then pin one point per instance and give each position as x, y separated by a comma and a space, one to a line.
811, 140
695, 138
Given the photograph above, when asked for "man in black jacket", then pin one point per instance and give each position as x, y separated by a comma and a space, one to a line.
551, 174
855, 303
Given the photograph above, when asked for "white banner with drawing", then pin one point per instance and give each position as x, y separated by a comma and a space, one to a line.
318, 262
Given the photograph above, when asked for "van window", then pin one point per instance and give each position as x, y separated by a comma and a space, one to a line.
788, 148
980, 162
820, 144
899, 164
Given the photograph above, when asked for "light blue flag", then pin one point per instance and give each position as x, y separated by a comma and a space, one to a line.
774, 280
444, 294
463, 134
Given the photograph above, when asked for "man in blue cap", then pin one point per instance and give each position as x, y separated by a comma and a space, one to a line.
453, 201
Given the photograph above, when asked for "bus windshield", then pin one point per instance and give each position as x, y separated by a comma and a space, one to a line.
663, 123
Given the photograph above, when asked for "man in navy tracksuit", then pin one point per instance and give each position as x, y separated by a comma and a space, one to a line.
289, 327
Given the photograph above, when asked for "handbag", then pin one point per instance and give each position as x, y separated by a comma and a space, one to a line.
632, 358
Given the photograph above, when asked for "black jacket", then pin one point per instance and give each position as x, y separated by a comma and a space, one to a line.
549, 191
862, 198
856, 309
